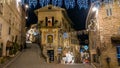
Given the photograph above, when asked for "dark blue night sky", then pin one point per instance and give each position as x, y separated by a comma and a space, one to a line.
78, 16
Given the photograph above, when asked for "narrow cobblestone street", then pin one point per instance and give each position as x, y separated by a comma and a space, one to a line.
31, 58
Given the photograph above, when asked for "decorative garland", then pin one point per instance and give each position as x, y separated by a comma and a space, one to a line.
69, 4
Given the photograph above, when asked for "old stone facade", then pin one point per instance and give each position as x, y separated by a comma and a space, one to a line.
55, 37
11, 24
102, 26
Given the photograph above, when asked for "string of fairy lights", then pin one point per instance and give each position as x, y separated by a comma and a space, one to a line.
69, 4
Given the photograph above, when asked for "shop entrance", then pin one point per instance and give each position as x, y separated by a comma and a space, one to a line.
51, 55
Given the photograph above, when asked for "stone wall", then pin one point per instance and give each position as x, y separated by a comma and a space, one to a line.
108, 25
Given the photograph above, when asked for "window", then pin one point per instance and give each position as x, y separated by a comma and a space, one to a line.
1, 49
109, 11
12, 38
118, 54
16, 38
0, 30
108, 1
108, 4
49, 21
1, 8
9, 31
119, 3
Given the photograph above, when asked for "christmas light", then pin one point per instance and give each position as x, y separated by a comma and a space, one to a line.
72, 3
41, 2
82, 4
92, 1
54, 2
60, 3
94, 9
66, 2
47, 2
69, 4
32, 2
26, 6
22, 2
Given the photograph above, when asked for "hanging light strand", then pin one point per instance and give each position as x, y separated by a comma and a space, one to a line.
32, 2
54, 2
41, 2
72, 3
92, 1
60, 3
66, 2
69, 4
46, 2
82, 4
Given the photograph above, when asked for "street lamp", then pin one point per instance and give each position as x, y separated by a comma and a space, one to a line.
26, 17
26, 10
26, 6
94, 8
92, 26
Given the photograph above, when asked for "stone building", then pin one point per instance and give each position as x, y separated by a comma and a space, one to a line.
33, 34
54, 26
75, 46
12, 25
103, 24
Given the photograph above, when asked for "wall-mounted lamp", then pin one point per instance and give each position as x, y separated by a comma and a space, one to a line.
26, 6
94, 9
26, 17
